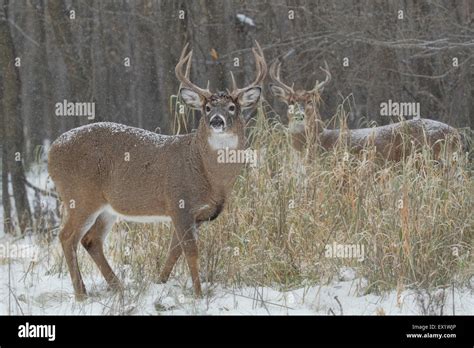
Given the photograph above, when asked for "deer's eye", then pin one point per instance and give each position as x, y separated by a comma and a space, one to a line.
231, 108
208, 108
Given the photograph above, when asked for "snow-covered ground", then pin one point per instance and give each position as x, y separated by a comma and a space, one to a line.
27, 287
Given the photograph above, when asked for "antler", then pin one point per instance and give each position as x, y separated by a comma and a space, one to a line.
320, 85
184, 78
275, 76
261, 70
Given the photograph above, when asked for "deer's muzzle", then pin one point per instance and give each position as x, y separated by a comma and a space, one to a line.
217, 122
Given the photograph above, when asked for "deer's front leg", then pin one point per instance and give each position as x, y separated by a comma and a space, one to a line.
173, 255
186, 231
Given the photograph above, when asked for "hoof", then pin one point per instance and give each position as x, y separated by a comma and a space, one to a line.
198, 291
161, 279
81, 296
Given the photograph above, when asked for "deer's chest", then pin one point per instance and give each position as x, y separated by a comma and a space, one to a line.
219, 141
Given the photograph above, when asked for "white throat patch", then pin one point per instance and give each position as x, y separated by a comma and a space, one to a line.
222, 140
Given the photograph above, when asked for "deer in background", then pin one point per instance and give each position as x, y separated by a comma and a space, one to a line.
107, 170
306, 127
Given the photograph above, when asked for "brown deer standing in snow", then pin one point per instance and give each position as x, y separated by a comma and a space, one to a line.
307, 128
106, 170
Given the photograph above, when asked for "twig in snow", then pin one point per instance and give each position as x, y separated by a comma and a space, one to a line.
339, 303
263, 301
16, 300
454, 311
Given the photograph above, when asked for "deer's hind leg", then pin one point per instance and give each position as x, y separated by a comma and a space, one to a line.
78, 222
93, 242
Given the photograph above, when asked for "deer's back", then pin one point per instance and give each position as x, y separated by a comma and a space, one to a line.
394, 140
111, 160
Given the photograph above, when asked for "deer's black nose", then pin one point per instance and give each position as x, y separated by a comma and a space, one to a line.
217, 121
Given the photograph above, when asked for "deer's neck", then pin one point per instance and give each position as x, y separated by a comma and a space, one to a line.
309, 132
219, 168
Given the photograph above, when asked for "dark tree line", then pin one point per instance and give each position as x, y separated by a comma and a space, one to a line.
121, 55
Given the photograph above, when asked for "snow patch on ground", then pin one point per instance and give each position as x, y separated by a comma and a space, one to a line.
33, 287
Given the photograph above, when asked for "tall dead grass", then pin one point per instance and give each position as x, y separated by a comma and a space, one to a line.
413, 219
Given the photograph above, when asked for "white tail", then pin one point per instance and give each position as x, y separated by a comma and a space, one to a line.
105, 170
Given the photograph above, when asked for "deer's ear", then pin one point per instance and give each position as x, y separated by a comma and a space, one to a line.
249, 97
191, 98
278, 92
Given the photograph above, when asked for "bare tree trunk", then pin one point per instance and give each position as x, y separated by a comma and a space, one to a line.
7, 209
51, 128
13, 123
77, 58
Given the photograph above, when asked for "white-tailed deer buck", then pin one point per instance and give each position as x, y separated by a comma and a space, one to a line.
107, 170
392, 142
